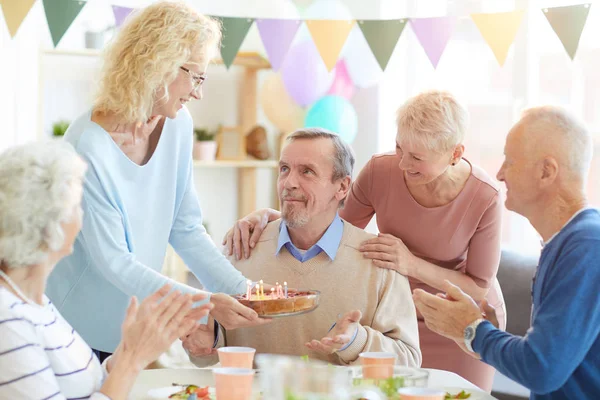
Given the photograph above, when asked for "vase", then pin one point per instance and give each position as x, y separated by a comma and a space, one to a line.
205, 150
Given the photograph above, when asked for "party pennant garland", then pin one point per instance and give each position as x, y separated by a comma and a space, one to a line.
433, 34
568, 23
499, 31
120, 14
329, 36
277, 36
60, 14
234, 33
14, 13
382, 37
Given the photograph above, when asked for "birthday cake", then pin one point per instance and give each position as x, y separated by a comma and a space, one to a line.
296, 302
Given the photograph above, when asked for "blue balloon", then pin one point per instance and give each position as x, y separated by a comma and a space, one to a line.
336, 114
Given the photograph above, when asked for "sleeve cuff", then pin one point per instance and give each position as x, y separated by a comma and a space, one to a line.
219, 337
104, 364
351, 340
203, 320
480, 334
351, 352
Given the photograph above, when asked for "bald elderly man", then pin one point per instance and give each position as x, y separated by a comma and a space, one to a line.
547, 158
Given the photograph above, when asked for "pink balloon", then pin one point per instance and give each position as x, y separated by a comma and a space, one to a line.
342, 83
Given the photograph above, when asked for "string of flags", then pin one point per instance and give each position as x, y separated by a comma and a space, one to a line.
329, 36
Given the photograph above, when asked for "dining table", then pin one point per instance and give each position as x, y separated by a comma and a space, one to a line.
151, 381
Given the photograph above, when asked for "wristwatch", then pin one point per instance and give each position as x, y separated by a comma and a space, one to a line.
469, 333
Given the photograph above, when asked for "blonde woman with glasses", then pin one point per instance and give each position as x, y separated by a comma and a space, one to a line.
139, 193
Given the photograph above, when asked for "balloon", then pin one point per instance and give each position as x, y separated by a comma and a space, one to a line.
362, 65
335, 114
342, 83
278, 105
304, 73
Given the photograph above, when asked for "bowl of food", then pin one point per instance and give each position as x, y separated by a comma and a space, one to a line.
399, 377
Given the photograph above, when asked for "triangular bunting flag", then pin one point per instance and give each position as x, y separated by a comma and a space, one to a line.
568, 23
14, 13
329, 36
120, 14
433, 34
60, 14
234, 33
277, 36
382, 36
499, 31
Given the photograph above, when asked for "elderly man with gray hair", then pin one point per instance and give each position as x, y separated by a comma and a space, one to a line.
547, 158
312, 248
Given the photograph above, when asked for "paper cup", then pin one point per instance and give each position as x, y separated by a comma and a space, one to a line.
236, 357
233, 383
377, 365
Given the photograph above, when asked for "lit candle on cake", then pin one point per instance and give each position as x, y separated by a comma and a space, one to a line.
257, 291
262, 288
248, 289
273, 293
279, 291
285, 289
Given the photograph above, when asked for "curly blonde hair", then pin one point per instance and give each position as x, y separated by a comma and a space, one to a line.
435, 119
146, 54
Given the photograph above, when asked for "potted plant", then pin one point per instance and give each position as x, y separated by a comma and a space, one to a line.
59, 128
205, 146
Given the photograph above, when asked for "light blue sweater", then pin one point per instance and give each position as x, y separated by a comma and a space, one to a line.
559, 358
131, 212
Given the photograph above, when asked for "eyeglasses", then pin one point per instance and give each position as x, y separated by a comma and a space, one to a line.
196, 79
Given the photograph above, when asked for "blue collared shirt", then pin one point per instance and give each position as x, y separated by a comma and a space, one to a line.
329, 242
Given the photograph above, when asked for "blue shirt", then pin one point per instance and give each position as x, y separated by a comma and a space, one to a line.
131, 213
329, 242
559, 357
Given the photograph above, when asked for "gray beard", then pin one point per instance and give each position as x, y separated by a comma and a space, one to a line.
295, 221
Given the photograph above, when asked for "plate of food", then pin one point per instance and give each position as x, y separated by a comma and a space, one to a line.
453, 393
182, 392
296, 302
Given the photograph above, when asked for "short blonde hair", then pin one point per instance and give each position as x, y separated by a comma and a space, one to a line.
37, 195
146, 54
435, 119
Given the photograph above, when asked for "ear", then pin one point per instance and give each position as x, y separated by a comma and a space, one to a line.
458, 152
549, 171
344, 188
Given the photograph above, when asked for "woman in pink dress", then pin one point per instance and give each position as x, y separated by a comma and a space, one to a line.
438, 214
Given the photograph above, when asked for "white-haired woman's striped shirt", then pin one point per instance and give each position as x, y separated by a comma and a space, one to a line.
41, 355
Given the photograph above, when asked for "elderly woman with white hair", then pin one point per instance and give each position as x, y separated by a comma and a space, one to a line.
41, 355
438, 214
139, 193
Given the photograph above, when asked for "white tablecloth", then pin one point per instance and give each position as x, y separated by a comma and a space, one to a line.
158, 378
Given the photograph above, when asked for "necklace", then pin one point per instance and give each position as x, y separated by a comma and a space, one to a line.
17, 290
